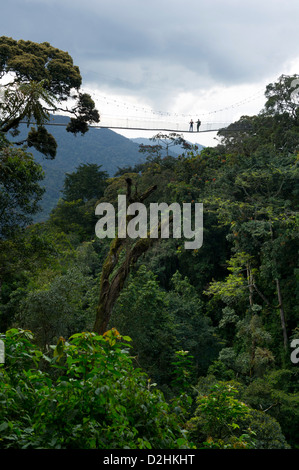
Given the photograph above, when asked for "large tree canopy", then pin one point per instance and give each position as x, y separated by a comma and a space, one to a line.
87, 182
275, 128
20, 191
282, 96
39, 79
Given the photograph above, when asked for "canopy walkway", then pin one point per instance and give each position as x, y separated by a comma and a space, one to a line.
116, 114
126, 116
142, 125
158, 125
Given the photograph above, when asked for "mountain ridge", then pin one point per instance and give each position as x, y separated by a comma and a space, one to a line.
99, 145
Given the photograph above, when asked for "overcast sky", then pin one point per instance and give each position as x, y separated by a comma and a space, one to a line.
188, 58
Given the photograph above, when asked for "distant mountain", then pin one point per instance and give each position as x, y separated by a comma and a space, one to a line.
101, 146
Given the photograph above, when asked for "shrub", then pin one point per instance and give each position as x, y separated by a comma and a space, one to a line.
219, 420
88, 395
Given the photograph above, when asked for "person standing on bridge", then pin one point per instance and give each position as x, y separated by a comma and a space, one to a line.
191, 126
198, 123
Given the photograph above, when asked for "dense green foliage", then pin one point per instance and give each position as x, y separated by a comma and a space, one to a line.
90, 396
40, 79
86, 183
20, 191
97, 147
209, 364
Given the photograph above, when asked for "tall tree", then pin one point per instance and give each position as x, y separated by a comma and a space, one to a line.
283, 96
276, 127
39, 78
87, 182
116, 268
20, 191
162, 145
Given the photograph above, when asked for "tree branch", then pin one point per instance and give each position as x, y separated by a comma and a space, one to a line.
111, 286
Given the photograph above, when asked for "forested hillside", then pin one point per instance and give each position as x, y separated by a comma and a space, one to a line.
142, 343
100, 146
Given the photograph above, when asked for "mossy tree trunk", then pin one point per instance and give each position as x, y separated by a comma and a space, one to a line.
121, 257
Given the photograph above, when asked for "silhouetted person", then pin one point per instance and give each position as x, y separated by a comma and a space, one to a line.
198, 123
191, 126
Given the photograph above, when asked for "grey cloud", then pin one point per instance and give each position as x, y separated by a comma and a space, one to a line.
159, 46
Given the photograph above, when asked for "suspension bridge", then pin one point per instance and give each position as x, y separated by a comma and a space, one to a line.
115, 114
157, 125
144, 125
